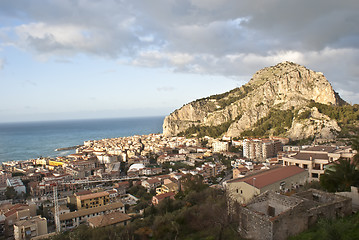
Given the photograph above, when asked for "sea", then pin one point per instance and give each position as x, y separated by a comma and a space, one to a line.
29, 140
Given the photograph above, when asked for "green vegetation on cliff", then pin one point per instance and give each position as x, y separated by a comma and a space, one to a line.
202, 131
277, 122
225, 99
347, 116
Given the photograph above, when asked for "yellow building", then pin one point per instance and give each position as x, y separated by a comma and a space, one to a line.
169, 187
55, 163
40, 161
280, 179
92, 200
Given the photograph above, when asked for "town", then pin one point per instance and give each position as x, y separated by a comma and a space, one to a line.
104, 182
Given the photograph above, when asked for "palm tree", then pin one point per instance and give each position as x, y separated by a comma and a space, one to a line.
340, 176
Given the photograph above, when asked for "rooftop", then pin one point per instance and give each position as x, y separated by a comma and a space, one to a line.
327, 149
84, 212
93, 195
268, 177
307, 156
108, 219
164, 195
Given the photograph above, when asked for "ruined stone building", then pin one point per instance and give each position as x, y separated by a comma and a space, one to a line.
272, 216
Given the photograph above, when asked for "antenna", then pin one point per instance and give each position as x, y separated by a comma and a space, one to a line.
57, 218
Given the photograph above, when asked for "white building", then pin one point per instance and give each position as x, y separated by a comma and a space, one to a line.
220, 146
107, 158
17, 184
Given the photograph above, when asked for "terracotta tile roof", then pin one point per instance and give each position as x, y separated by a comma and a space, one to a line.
164, 195
84, 192
153, 180
108, 219
84, 212
93, 195
120, 184
265, 178
29, 222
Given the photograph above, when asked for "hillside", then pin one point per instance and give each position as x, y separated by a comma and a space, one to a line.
284, 100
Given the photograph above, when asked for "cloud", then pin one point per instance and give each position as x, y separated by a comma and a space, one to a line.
165, 89
218, 37
2, 63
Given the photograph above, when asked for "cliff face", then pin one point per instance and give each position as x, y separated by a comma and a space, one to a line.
284, 86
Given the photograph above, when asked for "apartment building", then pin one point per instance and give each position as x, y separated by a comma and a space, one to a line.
219, 146
261, 149
17, 184
74, 219
30, 228
92, 200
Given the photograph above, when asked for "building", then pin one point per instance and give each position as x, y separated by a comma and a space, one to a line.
107, 158
278, 179
13, 213
272, 216
151, 183
314, 159
289, 148
92, 200
121, 187
171, 158
74, 219
2, 225
30, 228
261, 149
110, 219
219, 146
160, 197
17, 184
169, 187
3, 177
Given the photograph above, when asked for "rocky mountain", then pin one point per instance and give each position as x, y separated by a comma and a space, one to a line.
286, 89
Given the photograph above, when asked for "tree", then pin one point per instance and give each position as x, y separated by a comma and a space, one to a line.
10, 193
340, 176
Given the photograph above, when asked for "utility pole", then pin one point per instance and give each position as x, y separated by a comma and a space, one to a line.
56, 205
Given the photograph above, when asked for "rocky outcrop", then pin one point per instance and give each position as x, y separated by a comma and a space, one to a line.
317, 125
284, 86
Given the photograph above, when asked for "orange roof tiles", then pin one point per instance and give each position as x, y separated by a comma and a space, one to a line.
265, 178
108, 219
93, 195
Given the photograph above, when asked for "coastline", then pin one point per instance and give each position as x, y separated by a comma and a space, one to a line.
67, 148
22, 141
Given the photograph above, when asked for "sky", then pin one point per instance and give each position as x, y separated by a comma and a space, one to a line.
75, 59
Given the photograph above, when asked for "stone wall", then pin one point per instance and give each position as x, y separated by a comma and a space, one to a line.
275, 216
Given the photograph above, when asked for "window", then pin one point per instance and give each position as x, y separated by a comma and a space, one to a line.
271, 211
314, 175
